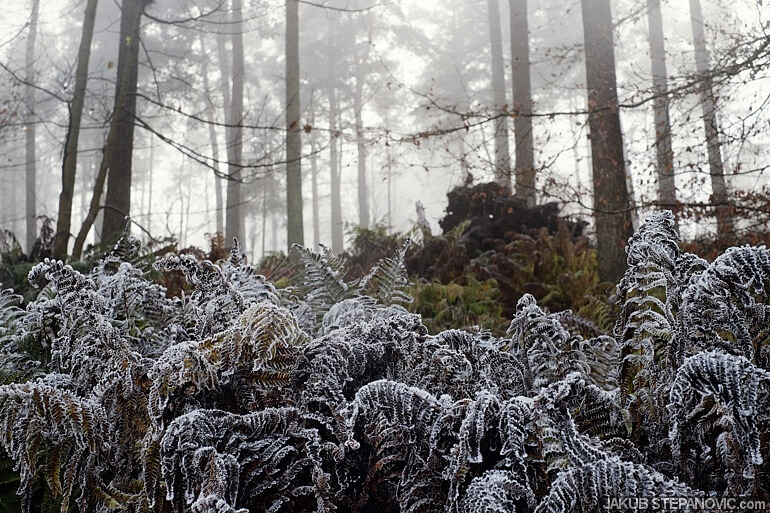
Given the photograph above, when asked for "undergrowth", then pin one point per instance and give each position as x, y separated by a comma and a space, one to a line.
329, 395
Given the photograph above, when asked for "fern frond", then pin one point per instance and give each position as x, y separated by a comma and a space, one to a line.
497, 491
588, 487
387, 278
734, 383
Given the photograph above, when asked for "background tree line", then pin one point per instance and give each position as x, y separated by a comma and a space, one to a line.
249, 118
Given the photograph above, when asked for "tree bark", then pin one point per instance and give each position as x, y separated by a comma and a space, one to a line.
314, 172
125, 97
117, 201
611, 208
70, 162
710, 122
29, 124
522, 103
234, 210
363, 192
334, 167
502, 154
294, 223
220, 222
661, 102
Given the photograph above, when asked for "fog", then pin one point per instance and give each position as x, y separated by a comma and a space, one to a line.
416, 116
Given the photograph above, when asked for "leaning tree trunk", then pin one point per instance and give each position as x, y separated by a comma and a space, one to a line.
294, 223
522, 103
334, 167
710, 123
29, 125
234, 210
611, 208
69, 165
660, 105
123, 115
502, 155
117, 201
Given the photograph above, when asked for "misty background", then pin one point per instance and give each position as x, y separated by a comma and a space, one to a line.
397, 102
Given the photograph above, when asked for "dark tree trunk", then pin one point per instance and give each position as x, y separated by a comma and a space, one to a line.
710, 123
661, 101
358, 105
502, 154
522, 103
69, 165
219, 214
294, 222
117, 201
314, 172
30, 125
122, 120
334, 165
611, 208
234, 215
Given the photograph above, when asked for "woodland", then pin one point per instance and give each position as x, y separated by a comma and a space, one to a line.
360, 256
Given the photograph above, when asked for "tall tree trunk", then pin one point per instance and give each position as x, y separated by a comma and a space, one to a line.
117, 201
234, 210
613, 220
502, 154
363, 192
314, 171
29, 124
661, 101
121, 126
294, 223
710, 122
75, 107
210, 118
334, 165
522, 103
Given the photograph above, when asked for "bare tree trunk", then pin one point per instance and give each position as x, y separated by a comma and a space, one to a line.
522, 103
70, 162
123, 116
30, 128
710, 122
502, 154
210, 117
363, 192
613, 220
117, 201
234, 210
294, 223
314, 171
661, 102
334, 166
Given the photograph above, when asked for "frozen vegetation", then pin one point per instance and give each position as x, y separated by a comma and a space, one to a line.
331, 396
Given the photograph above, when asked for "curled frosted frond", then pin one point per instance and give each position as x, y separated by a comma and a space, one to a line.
587, 487
348, 312
217, 302
259, 348
548, 350
44, 426
735, 384
262, 461
408, 412
497, 491
727, 305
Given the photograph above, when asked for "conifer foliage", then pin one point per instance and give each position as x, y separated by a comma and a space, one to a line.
330, 396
